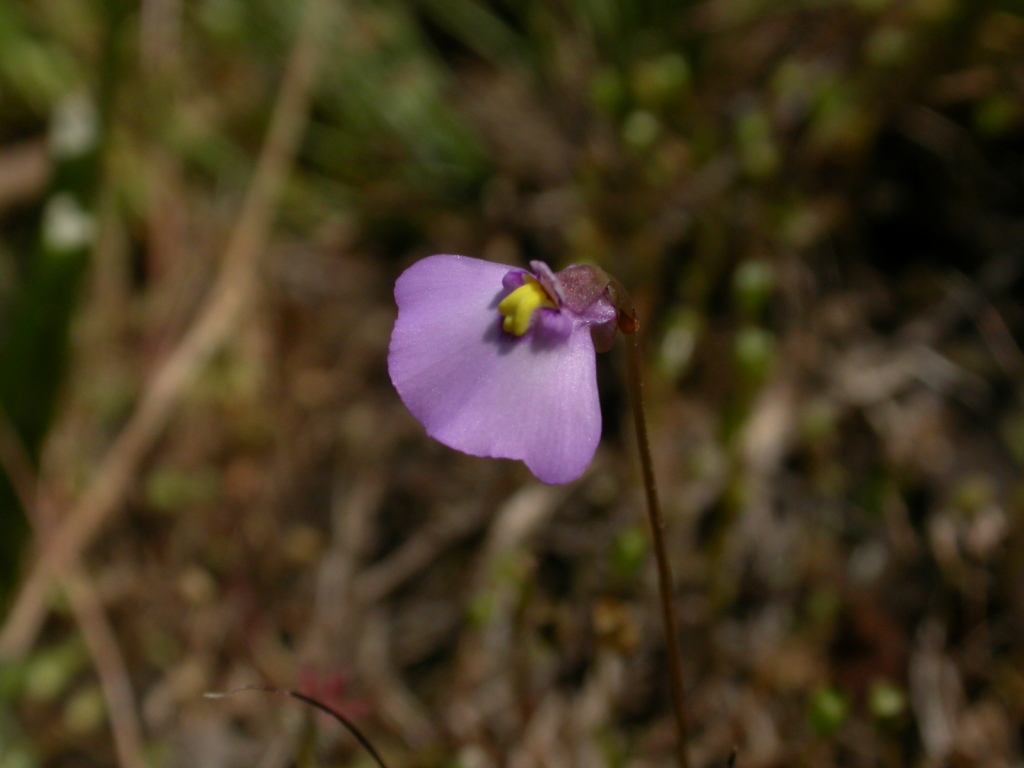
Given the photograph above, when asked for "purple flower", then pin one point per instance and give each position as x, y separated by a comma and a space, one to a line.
497, 361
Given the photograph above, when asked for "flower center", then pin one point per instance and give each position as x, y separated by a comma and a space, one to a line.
518, 307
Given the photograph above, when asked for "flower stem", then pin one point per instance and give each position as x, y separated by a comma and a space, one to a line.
675, 658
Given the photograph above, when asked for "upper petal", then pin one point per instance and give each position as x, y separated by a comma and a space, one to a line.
481, 391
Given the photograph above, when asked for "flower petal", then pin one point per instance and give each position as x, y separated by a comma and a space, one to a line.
480, 390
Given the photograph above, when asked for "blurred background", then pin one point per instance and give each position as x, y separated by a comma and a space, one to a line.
209, 482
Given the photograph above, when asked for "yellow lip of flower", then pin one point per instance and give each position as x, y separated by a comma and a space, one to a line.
518, 307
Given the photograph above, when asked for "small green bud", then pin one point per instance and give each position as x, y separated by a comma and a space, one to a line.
86, 711
828, 712
755, 352
887, 702
629, 552
51, 671
607, 91
640, 130
658, 82
753, 284
758, 152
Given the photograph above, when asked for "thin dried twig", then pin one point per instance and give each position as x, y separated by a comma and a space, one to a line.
110, 665
86, 606
219, 317
318, 705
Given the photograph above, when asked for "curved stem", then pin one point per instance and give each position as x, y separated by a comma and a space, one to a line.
316, 704
675, 658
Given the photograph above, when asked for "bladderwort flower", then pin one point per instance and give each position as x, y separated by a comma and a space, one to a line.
499, 361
